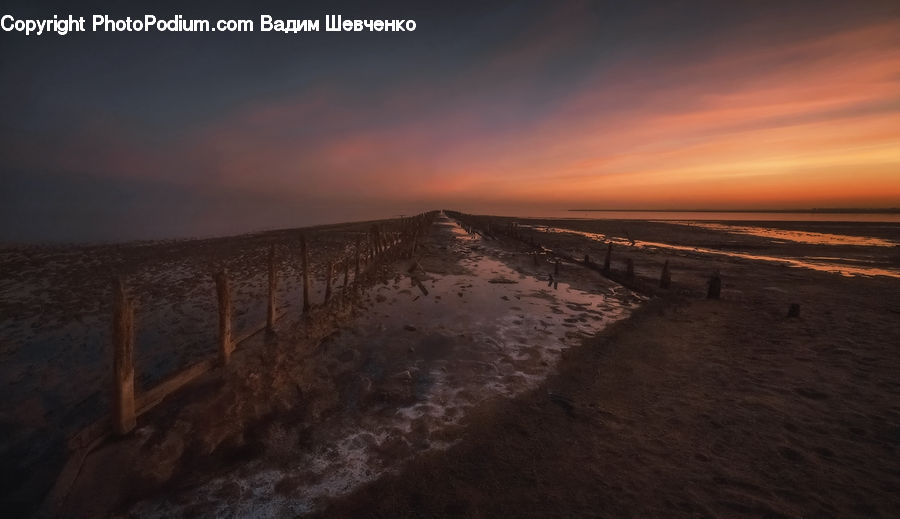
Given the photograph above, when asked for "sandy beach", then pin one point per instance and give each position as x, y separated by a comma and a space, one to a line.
480, 378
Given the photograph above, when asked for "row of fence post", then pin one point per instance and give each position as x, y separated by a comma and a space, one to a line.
379, 246
512, 229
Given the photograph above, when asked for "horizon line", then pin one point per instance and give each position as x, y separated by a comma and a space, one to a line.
827, 210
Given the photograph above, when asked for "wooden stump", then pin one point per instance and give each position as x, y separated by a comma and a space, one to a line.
358, 252
607, 262
304, 261
665, 279
794, 310
329, 273
123, 416
714, 288
273, 284
346, 274
226, 345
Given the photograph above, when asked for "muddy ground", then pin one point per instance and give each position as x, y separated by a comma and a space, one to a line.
692, 407
464, 384
55, 322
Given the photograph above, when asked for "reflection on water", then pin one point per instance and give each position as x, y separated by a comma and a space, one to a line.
700, 216
814, 263
813, 238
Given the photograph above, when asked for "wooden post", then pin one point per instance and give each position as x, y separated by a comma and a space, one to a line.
124, 420
329, 273
346, 274
356, 273
629, 269
714, 288
665, 279
226, 346
607, 262
273, 283
304, 263
556, 268
794, 310
535, 258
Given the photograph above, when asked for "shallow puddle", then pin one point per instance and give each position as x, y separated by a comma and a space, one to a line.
813, 263
786, 235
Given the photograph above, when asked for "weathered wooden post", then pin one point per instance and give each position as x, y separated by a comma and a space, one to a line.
535, 254
346, 274
665, 279
273, 284
123, 360
304, 263
356, 273
329, 273
556, 268
607, 262
226, 346
794, 310
629, 269
714, 288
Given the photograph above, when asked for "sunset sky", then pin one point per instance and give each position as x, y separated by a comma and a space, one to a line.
512, 108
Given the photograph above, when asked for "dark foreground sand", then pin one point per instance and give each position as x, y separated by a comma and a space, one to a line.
691, 408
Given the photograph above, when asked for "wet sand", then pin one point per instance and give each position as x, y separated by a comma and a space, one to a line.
495, 394
55, 321
692, 407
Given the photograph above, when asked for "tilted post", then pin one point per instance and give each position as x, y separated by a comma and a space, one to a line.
304, 264
273, 283
226, 344
124, 420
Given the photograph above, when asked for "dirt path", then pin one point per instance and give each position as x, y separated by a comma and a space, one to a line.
690, 408
296, 423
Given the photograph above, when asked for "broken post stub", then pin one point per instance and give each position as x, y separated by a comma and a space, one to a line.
226, 344
123, 416
304, 263
329, 273
665, 279
607, 262
273, 282
714, 287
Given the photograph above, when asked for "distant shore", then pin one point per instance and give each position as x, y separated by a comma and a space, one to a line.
890, 210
